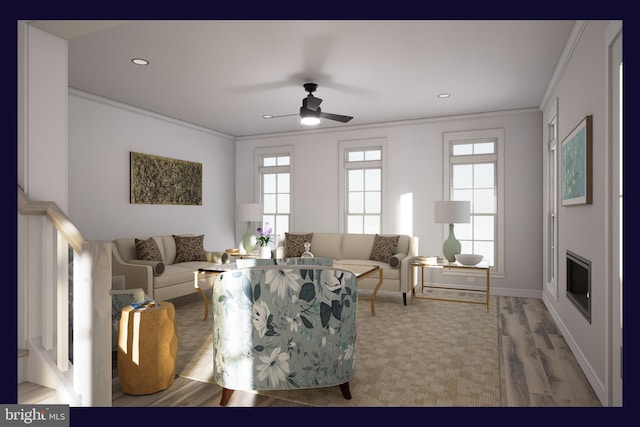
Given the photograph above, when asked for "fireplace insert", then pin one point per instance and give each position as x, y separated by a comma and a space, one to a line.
579, 283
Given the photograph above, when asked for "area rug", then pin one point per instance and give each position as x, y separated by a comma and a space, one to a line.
429, 353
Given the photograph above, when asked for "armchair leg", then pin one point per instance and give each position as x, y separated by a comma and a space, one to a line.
226, 396
404, 298
344, 388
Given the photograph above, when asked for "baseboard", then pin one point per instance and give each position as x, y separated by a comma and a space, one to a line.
596, 383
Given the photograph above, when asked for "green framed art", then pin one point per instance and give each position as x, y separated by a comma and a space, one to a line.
577, 152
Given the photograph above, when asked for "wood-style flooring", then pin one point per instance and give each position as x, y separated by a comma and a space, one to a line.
537, 368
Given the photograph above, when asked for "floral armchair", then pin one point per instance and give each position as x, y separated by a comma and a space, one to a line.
284, 327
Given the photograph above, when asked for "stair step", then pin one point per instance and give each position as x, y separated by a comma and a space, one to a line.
30, 393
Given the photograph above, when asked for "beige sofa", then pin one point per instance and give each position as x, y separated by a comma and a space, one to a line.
160, 282
356, 249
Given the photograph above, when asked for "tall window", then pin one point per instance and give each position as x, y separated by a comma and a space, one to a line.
275, 188
552, 205
473, 173
363, 186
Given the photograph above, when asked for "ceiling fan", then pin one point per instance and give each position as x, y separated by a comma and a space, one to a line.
310, 112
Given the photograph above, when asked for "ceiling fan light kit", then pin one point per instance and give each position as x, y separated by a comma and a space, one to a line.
310, 112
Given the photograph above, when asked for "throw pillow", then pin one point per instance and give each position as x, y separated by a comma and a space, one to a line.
384, 247
148, 250
294, 244
190, 248
396, 259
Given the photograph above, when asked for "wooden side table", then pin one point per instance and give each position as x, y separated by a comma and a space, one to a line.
147, 348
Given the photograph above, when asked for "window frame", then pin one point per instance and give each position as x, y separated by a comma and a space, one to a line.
496, 135
259, 154
346, 146
551, 232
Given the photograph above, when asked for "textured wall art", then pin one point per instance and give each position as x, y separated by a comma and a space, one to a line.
163, 181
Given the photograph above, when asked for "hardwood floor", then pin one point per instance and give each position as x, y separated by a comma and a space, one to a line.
537, 369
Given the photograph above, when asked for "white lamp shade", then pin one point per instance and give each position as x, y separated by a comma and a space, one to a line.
452, 212
246, 212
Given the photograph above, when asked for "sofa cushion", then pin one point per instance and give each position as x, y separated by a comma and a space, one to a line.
327, 245
189, 248
156, 266
173, 274
384, 247
148, 250
294, 244
357, 246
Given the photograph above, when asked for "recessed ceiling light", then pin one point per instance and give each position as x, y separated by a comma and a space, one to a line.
140, 61
444, 95
267, 116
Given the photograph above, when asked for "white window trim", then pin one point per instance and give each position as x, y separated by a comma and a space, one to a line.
497, 270
270, 151
361, 143
551, 118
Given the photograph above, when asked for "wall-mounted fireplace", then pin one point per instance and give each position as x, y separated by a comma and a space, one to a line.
579, 283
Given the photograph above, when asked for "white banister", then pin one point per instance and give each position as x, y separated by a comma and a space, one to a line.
92, 323
47, 287
62, 303
86, 379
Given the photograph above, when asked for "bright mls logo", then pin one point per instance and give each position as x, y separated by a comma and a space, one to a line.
40, 415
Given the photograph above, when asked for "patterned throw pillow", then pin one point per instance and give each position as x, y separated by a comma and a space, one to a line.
148, 250
384, 247
294, 244
189, 248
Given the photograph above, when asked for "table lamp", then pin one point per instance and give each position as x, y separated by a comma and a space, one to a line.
450, 212
249, 212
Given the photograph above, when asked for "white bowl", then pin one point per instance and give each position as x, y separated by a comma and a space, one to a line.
468, 259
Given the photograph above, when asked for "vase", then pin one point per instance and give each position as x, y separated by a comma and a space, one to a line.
451, 246
249, 239
264, 252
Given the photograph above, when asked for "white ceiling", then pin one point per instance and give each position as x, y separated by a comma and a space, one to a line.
225, 75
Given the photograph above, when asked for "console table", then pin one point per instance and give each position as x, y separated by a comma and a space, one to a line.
483, 266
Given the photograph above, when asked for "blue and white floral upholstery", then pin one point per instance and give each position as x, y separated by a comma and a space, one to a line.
284, 327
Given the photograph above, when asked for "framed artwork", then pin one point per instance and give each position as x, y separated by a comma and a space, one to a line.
164, 181
577, 164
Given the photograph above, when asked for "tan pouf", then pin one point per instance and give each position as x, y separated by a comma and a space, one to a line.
147, 348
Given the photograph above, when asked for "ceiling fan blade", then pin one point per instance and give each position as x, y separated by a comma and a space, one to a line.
311, 103
337, 117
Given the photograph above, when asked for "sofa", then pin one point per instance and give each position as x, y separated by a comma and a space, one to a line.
392, 252
163, 266
279, 327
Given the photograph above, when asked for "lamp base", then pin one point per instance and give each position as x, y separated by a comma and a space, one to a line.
249, 240
451, 246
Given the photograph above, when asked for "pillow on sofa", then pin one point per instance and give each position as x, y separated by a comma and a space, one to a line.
384, 247
394, 261
294, 244
189, 248
148, 250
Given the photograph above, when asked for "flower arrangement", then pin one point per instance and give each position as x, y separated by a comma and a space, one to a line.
264, 235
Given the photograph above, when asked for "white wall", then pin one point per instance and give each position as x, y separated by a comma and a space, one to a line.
42, 161
415, 167
582, 229
102, 133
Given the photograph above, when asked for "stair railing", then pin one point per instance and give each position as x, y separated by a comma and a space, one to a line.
80, 373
